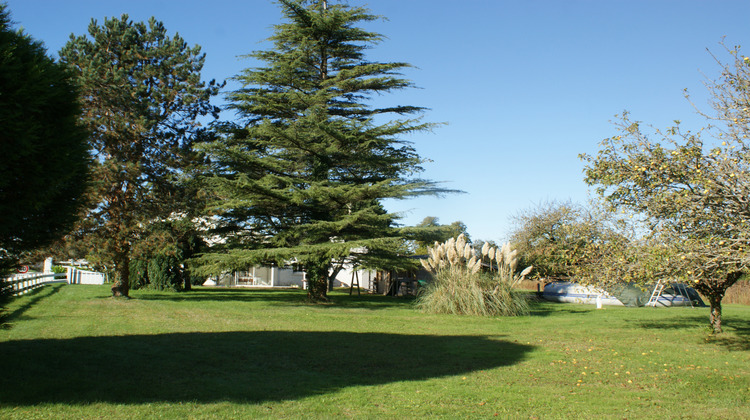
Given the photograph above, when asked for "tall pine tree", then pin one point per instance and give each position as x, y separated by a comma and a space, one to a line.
304, 176
142, 97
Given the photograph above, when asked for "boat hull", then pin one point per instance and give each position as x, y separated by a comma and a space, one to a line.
569, 292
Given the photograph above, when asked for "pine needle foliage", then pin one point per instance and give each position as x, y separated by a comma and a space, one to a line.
142, 97
302, 177
461, 287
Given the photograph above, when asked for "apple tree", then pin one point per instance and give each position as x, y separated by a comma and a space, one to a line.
691, 187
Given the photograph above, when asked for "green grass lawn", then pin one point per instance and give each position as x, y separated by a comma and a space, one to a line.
71, 351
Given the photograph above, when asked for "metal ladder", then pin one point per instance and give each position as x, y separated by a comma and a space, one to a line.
656, 293
682, 290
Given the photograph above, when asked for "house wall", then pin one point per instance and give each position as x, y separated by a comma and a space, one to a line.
366, 278
262, 276
287, 277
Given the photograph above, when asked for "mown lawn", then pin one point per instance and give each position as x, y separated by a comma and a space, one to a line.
71, 351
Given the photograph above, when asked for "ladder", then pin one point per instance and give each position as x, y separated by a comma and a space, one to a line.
656, 293
681, 289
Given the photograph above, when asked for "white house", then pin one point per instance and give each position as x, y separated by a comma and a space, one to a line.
273, 276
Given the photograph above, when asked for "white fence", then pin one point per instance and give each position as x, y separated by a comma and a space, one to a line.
24, 283
77, 276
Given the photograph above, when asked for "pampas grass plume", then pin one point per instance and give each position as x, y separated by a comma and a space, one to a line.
468, 252
485, 249
452, 255
460, 242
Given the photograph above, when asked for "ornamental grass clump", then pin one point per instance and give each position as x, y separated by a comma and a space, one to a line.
465, 283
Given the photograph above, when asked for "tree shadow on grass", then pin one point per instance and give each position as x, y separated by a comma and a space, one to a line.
371, 301
541, 307
233, 366
290, 297
673, 323
736, 335
225, 294
34, 297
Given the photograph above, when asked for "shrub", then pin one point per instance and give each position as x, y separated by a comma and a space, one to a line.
164, 272
461, 287
58, 269
160, 272
138, 274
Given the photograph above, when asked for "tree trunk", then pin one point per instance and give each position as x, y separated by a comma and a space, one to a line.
715, 317
185, 277
317, 290
332, 277
121, 288
317, 280
715, 295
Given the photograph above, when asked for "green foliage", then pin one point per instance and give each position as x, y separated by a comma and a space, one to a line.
692, 192
179, 239
59, 269
564, 240
158, 272
138, 273
460, 287
39, 197
164, 273
304, 173
143, 97
429, 231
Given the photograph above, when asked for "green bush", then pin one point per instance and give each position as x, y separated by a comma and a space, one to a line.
138, 274
460, 287
164, 273
57, 269
160, 272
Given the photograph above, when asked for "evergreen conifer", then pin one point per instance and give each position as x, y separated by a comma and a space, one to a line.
142, 96
304, 176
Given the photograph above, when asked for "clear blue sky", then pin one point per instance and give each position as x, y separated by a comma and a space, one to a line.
524, 86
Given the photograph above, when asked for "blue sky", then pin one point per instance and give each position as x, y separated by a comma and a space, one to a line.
524, 86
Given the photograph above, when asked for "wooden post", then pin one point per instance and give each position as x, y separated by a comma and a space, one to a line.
355, 274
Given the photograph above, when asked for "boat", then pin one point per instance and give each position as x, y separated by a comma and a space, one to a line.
672, 294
